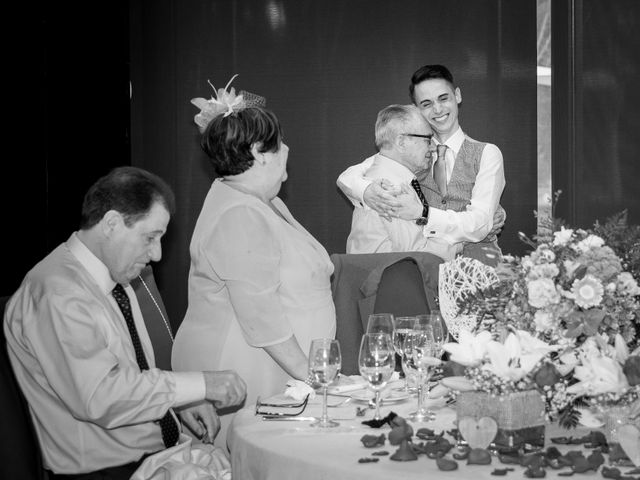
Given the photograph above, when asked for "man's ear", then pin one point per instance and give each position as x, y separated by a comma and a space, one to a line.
458, 95
111, 221
257, 154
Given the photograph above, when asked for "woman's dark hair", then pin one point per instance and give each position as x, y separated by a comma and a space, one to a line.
228, 140
130, 191
430, 72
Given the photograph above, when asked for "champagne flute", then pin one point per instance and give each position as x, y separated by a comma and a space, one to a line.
325, 362
402, 327
440, 332
439, 327
421, 358
376, 360
380, 323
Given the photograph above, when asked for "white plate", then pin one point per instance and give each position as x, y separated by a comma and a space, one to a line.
387, 396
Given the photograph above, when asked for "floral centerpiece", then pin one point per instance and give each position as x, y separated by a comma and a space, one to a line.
566, 316
501, 381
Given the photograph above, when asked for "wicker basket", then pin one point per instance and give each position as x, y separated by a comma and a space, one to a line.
520, 416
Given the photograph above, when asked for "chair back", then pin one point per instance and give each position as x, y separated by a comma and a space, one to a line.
401, 290
20, 455
402, 283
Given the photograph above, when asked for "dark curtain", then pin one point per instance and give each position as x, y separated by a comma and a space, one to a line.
596, 101
67, 111
326, 68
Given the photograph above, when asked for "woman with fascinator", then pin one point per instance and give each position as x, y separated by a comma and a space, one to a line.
259, 283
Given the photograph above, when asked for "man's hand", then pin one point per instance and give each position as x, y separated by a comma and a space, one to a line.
499, 218
202, 420
380, 197
225, 388
409, 205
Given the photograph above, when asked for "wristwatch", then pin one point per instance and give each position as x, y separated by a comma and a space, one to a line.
425, 215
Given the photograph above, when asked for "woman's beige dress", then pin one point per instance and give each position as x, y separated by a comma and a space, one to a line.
255, 280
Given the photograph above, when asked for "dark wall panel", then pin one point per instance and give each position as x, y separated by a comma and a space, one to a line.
595, 109
326, 69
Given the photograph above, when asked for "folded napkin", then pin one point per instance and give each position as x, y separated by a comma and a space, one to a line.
298, 390
349, 383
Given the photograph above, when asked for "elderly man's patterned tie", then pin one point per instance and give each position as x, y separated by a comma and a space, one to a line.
440, 170
168, 425
416, 186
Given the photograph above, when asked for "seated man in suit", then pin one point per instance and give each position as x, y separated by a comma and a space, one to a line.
403, 138
80, 349
462, 189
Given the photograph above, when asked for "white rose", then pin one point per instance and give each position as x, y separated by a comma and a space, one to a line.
592, 241
628, 284
543, 320
542, 292
563, 236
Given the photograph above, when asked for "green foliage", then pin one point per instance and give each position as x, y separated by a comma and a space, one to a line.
623, 238
569, 417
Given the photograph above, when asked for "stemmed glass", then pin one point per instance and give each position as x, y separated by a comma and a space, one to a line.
421, 358
440, 332
325, 362
402, 327
377, 360
380, 323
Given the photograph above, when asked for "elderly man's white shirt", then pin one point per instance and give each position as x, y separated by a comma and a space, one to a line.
370, 233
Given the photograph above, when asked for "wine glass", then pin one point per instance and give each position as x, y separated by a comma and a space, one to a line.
380, 323
439, 327
440, 331
377, 359
421, 358
325, 361
402, 327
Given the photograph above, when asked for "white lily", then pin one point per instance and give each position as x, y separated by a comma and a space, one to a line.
470, 349
531, 344
598, 374
508, 361
622, 351
567, 362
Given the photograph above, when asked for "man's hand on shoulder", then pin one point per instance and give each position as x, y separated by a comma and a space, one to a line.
224, 388
380, 196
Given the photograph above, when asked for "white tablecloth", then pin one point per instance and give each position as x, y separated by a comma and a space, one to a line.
287, 450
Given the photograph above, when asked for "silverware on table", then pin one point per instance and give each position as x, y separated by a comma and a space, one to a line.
288, 419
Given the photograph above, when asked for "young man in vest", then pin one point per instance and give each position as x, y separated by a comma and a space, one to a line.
461, 209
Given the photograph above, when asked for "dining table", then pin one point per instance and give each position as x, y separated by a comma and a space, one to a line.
290, 448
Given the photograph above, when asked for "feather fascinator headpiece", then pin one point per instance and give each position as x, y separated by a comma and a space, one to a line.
224, 102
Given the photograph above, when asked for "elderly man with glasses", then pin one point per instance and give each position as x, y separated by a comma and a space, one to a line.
403, 139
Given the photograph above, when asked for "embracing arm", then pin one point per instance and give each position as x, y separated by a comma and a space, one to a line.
353, 183
379, 195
